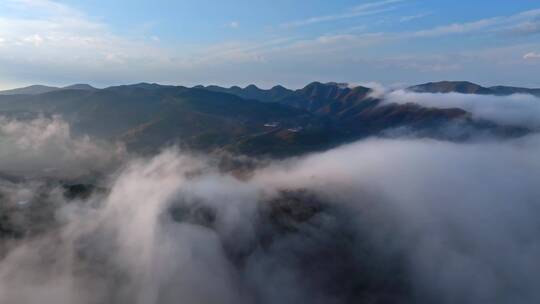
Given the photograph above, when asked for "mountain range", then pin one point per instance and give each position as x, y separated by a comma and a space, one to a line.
278, 93
250, 120
40, 89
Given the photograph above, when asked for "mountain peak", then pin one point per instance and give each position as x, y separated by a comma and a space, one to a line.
467, 87
314, 84
79, 86
464, 87
251, 87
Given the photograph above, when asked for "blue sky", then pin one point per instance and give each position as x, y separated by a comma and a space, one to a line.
269, 42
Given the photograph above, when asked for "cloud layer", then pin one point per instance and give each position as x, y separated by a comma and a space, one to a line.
455, 221
516, 110
45, 147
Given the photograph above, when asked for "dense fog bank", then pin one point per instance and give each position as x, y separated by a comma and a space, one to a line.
381, 220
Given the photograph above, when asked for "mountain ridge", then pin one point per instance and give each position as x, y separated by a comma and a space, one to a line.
149, 116
279, 92
466, 87
42, 89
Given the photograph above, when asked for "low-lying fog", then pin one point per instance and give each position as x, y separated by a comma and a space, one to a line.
380, 221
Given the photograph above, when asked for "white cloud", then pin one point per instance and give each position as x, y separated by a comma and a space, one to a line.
35, 39
531, 56
517, 110
68, 40
45, 146
460, 218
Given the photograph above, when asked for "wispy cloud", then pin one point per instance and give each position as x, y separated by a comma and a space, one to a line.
527, 22
366, 9
457, 28
433, 63
47, 6
414, 17
488, 26
527, 28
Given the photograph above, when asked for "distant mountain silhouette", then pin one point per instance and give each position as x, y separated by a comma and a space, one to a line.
41, 89
465, 87
30, 90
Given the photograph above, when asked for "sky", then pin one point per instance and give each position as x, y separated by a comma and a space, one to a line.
239, 42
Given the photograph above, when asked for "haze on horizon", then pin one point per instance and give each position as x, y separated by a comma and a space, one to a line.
283, 42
